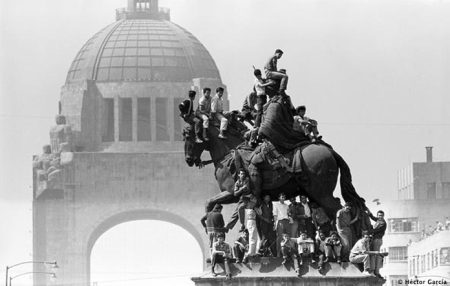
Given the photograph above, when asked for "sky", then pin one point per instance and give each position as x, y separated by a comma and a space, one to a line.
374, 74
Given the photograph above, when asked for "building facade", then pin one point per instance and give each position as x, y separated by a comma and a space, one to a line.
423, 199
116, 151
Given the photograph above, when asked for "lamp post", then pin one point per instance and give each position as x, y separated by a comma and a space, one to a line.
53, 275
55, 266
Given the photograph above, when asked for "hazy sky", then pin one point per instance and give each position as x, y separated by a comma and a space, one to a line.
375, 74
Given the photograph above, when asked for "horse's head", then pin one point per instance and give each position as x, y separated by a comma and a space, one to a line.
192, 150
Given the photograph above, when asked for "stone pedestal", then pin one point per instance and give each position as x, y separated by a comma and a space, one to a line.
270, 272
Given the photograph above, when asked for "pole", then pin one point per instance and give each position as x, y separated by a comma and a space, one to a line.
6, 279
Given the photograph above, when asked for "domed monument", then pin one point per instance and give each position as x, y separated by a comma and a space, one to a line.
123, 88
116, 152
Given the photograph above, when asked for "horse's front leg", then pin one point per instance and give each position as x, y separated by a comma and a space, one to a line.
221, 198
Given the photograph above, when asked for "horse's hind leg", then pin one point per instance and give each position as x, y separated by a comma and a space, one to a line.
221, 198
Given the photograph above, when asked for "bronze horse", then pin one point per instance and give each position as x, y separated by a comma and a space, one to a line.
320, 168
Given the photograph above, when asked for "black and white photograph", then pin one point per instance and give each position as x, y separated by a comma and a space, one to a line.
224, 142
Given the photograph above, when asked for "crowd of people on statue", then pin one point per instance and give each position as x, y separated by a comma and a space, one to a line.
211, 108
298, 231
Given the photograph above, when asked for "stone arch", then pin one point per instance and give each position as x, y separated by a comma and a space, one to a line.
134, 215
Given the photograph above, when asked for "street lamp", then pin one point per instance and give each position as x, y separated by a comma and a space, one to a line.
53, 275
55, 266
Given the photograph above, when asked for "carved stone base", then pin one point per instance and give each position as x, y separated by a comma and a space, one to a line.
270, 271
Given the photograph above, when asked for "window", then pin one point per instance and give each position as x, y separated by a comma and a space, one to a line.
143, 120
125, 120
431, 191
177, 120
162, 133
444, 254
446, 190
108, 120
398, 253
422, 263
403, 225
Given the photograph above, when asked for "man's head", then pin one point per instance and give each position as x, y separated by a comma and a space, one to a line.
292, 200
266, 199
278, 53
192, 94
244, 233
282, 197
242, 175
303, 235
301, 110
334, 235
207, 92
380, 214
286, 236
303, 199
218, 208
365, 235
322, 235
257, 73
219, 91
221, 236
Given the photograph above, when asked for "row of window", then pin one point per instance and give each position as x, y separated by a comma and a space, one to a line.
431, 191
143, 123
397, 254
403, 224
421, 263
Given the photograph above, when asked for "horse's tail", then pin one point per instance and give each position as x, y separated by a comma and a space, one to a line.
347, 189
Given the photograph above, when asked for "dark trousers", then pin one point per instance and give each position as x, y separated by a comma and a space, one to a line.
326, 228
290, 253
239, 252
239, 213
268, 236
219, 258
197, 122
321, 259
310, 228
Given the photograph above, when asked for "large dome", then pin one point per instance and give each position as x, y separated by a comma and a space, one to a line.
142, 50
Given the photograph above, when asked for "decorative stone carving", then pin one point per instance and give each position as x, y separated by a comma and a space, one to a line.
61, 135
55, 156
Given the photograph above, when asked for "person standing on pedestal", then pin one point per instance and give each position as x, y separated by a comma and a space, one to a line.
379, 228
309, 226
343, 226
213, 223
296, 213
265, 227
281, 219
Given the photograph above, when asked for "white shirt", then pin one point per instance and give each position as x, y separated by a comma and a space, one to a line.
217, 104
280, 211
307, 209
260, 90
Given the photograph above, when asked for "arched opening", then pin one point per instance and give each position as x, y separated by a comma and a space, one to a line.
145, 252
